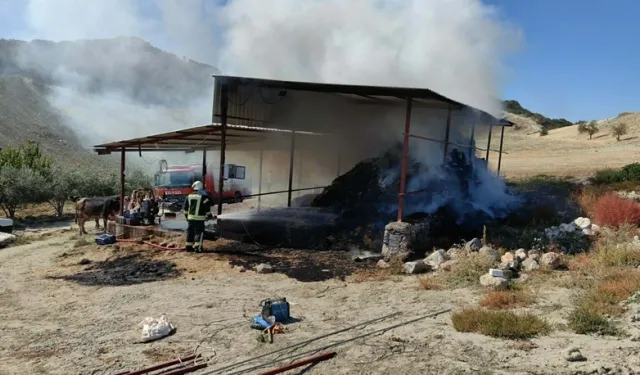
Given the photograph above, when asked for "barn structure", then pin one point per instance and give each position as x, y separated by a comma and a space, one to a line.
248, 110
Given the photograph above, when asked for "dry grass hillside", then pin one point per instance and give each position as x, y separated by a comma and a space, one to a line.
564, 151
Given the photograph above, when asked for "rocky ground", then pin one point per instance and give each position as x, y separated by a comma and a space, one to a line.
70, 307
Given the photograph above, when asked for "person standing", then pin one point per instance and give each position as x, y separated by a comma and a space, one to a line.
197, 209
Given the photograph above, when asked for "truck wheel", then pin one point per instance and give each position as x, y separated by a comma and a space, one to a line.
238, 197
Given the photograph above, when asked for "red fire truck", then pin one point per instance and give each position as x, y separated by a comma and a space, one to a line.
173, 183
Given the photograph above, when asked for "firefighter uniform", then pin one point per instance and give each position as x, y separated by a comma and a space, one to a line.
197, 209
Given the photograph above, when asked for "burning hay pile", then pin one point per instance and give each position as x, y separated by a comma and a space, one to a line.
453, 201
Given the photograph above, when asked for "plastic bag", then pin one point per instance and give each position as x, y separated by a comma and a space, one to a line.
154, 329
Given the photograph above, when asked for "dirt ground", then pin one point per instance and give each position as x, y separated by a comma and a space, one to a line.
61, 317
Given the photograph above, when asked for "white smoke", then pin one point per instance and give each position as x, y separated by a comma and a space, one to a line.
454, 47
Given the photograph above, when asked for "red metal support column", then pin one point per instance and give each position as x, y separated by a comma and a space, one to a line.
224, 108
446, 136
291, 158
500, 151
260, 178
488, 145
405, 161
122, 166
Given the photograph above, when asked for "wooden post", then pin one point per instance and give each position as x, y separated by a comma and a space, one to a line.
446, 136
291, 158
472, 141
500, 151
405, 157
122, 168
224, 107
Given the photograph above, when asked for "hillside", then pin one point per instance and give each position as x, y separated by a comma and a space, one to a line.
33, 73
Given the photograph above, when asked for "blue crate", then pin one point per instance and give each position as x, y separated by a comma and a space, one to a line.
278, 308
105, 239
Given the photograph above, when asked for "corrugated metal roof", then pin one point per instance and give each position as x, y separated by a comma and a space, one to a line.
249, 106
196, 138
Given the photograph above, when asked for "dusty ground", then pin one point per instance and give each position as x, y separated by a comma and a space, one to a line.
60, 317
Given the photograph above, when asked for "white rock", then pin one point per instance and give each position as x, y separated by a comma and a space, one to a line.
551, 260
588, 232
521, 254
498, 283
530, 264
582, 222
264, 268
382, 264
490, 252
574, 355
473, 245
6, 239
435, 259
595, 228
508, 257
418, 266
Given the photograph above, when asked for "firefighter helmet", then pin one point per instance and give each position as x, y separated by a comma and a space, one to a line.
197, 185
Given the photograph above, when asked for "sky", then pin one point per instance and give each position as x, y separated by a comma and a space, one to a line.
578, 60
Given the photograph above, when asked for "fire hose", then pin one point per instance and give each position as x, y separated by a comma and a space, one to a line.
154, 245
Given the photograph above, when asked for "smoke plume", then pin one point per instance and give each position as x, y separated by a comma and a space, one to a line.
454, 47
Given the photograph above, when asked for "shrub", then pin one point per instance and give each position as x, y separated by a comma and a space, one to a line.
503, 324
428, 283
607, 176
582, 321
503, 299
614, 211
544, 132
467, 271
631, 172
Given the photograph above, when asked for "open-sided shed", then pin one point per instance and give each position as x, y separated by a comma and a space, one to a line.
246, 109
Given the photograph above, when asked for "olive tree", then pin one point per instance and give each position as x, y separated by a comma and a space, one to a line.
590, 128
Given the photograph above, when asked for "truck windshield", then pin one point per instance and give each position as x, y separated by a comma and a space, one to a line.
175, 179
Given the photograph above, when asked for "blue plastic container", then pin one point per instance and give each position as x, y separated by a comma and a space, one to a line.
105, 239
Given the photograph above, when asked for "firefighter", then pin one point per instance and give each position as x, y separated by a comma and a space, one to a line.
197, 210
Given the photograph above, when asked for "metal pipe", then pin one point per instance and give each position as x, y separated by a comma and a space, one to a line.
122, 166
405, 157
224, 108
187, 370
260, 178
472, 141
451, 143
488, 144
500, 152
160, 366
303, 343
308, 361
446, 136
204, 168
283, 191
291, 158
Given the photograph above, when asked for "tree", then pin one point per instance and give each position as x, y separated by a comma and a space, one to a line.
590, 128
20, 186
27, 155
618, 130
544, 131
62, 184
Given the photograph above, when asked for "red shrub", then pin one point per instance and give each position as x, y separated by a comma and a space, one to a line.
612, 210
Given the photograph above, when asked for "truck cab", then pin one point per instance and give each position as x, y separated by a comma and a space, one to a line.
173, 183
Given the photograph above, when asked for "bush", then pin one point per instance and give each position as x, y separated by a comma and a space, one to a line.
614, 211
502, 324
503, 299
544, 132
582, 321
467, 271
630, 172
19, 187
590, 128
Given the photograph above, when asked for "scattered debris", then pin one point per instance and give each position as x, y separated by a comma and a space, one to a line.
154, 329
264, 268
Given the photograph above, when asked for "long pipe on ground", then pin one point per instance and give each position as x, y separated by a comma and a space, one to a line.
308, 361
312, 351
128, 240
232, 366
159, 366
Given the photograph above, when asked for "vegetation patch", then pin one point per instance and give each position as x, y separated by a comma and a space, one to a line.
499, 323
505, 299
466, 271
613, 211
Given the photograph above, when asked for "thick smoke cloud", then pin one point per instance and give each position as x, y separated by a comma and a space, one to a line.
454, 47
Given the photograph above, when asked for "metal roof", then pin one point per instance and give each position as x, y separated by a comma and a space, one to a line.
249, 109
196, 138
